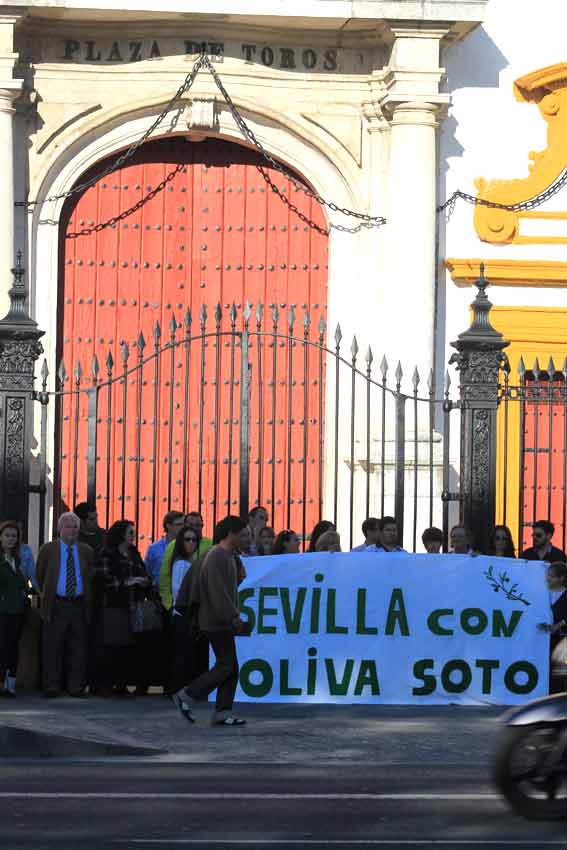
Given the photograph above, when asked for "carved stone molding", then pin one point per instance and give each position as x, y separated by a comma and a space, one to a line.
345, 126
375, 115
202, 116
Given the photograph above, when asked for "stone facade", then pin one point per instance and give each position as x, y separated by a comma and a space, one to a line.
347, 103
348, 94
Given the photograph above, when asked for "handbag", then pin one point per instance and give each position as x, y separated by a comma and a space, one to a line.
146, 616
115, 628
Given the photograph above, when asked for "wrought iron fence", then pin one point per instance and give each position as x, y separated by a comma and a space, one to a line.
259, 406
533, 448
253, 408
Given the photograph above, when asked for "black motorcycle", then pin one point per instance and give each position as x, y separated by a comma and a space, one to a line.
530, 767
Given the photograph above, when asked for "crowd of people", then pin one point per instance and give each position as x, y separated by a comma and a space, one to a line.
115, 623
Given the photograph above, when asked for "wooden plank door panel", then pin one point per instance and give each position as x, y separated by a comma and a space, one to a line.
209, 234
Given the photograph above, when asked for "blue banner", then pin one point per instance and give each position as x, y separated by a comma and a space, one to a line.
393, 628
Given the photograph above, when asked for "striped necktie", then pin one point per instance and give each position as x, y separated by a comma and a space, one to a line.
70, 578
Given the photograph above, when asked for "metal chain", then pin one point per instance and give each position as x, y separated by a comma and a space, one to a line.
365, 220
305, 218
112, 222
520, 206
294, 209
129, 153
370, 220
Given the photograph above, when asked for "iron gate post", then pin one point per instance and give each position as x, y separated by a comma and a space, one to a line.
244, 475
19, 350
479, 359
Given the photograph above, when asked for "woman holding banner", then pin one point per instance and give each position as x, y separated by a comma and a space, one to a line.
321, 527
557, 585
286, 543
330, 541
501, 542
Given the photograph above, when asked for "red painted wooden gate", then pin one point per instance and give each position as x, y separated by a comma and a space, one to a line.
544, 458
210, 233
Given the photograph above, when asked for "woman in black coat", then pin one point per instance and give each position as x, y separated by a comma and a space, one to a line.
121, 582
13, 604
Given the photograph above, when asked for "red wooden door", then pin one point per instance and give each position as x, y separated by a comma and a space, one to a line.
544, 459
209, 234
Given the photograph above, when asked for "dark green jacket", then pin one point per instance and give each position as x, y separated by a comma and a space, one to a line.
13, 589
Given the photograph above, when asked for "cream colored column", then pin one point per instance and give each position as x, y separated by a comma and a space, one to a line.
412, 101
373, 240
411, 232
9, 91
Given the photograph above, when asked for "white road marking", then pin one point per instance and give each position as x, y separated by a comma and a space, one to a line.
158, 795
349, 842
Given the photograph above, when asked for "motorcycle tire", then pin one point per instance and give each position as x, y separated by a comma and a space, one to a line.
513, 790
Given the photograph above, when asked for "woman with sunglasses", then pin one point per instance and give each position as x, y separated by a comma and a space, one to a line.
186, 545
190, 652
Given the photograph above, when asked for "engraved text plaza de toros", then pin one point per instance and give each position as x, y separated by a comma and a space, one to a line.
285, 58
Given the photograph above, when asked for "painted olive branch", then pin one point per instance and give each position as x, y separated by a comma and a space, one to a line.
501, 582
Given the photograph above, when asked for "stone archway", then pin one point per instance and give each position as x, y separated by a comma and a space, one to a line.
330, 172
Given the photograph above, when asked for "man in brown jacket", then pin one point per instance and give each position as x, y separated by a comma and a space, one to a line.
65, 572
219, 620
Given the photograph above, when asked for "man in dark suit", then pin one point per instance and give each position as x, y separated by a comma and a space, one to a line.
65, 571
542, 550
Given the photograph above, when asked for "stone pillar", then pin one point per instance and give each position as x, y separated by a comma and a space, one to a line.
372, 241
412, 102
412, 228
9, 91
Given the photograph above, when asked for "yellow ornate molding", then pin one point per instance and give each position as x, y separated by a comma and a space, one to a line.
508, 272
547, 88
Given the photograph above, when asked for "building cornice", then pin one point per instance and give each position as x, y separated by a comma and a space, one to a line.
350, 20
540, 273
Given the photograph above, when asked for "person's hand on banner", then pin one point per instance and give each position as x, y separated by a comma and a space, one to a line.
242, 628
551, 628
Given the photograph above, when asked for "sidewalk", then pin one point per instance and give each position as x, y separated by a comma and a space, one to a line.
274, 733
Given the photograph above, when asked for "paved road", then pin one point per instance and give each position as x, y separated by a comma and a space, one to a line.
158, 804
